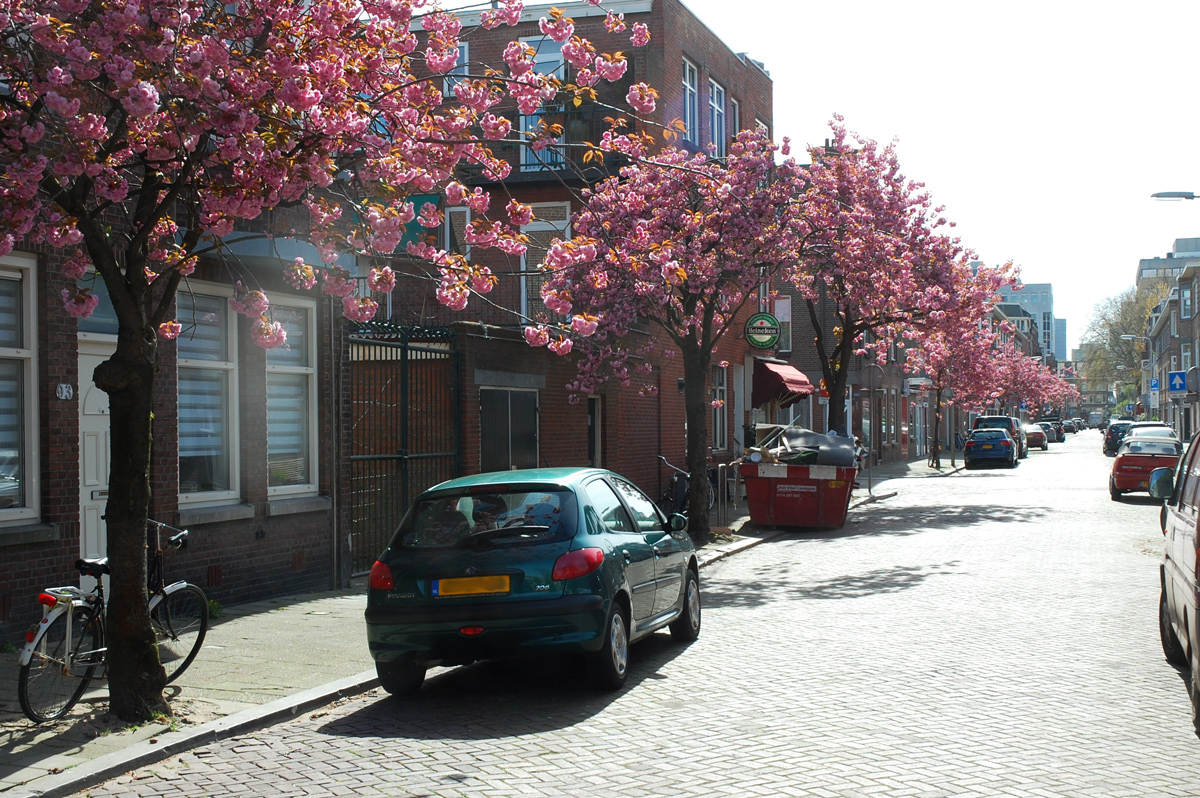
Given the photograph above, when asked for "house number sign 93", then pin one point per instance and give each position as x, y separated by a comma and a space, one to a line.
64, 391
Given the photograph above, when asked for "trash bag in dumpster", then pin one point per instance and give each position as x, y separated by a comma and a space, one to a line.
796, 445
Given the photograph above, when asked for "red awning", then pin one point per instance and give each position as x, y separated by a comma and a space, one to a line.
779, 382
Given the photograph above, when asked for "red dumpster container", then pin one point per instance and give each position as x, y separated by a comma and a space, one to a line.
781, 494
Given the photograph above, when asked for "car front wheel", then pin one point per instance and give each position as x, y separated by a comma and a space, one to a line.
1172, 650
610, 665
686, 627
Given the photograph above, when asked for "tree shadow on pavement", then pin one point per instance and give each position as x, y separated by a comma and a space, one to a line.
881, 519
501, 699
757, 591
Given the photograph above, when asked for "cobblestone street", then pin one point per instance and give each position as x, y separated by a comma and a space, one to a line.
989, 633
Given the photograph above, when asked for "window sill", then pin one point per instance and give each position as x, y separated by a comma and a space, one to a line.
198, 516
25, 534
306, 504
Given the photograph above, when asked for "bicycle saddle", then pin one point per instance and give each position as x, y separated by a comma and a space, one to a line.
96, 567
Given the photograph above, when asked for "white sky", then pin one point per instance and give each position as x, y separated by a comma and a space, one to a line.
1043, 127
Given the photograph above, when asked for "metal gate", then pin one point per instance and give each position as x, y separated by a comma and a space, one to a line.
405, 427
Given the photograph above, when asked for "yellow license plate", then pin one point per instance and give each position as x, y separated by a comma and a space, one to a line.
470, 586
1144, 484
987, 446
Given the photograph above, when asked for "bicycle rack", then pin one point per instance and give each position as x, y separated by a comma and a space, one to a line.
722, 489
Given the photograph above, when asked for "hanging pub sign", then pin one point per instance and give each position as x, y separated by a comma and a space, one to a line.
762, 331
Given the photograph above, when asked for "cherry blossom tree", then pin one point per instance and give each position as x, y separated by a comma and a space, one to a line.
877, 261
678, 242
138, 136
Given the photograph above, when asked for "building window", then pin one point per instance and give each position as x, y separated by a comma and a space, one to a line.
550, 221
720, 438
1174, 324
1185, 301
735, 118
762, 127
207, 382
716, 118
1185, 356
508, 424
783, 314
548, 60
462, 68
19, 490
691, 103
455, 230
292, 402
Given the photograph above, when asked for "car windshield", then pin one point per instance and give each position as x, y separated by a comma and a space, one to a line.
499, 517
989, 435
1144, 446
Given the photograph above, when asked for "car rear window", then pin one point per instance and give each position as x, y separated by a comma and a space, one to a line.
993, 423
988, 435
1118, 429
503, 517
1144, 446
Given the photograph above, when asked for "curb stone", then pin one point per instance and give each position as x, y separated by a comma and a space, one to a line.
139, 755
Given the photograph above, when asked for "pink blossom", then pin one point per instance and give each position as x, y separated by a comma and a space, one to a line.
479, 200
560, 30
300, 275
141, 99
170, 330
382, 280
455, 192
718, 403
268, 334
483, 281
79, 303
641, 98
614, 22
430, 216
610, 68
76, 266
640, 36
250, 304
537, 336
495, 127
518, 213
359, 309
584, 325
337, 282
561, 346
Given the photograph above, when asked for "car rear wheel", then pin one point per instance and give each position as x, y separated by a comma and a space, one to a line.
610, 665
1195, 694
1113, 493
401, 677
1170, 643
1045, 447
686, 627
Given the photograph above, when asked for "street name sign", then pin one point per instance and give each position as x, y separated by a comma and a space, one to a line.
1177, 382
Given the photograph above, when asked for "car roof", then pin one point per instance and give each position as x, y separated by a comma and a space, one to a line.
563, 477
1151, 432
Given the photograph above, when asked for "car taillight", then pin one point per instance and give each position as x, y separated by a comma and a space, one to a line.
1005, 444
381, 577
577, 563
47, 599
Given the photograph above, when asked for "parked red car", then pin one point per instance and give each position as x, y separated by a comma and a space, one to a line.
1136, 458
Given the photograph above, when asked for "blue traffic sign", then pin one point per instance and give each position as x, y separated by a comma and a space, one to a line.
1129, 407
1024, 405
1177, 381
1154, 383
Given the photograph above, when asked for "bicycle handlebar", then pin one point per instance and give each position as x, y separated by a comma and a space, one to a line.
676, 468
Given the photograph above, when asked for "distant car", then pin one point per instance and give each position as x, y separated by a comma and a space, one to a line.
1112, 437
990, 445
519, 564
1053, 433
1035, 436
1010, 425
1069, 426
1137, 456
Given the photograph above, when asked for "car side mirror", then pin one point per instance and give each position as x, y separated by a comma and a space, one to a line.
676, 522
1162, 483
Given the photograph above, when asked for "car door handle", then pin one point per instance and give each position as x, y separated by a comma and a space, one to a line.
628, 556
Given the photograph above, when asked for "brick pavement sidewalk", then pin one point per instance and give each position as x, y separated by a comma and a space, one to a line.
261, 662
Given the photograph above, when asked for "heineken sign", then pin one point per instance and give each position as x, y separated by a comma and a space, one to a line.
762, 331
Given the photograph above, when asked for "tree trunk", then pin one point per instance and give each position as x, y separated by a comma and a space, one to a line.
696, 362
935, 445
136, 678
835, 385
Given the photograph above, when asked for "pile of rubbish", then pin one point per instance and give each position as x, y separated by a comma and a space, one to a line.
800, 446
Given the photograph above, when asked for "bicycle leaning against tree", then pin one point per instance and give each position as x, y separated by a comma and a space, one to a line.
66, 650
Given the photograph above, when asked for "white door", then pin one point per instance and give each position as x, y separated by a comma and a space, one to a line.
93, 452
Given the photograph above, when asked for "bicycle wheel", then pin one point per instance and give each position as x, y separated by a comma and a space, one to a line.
50, 685
180, 622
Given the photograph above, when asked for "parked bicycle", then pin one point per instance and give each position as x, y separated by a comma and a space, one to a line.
66, 650
675, 498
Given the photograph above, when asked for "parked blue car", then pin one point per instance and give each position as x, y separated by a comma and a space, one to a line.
990, 446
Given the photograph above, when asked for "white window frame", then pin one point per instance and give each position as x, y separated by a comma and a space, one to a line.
230, 366
1185, 356
718, 133
691, 102
540, 226
720, 417
783, 314
309, 307
1174, 324
547, 61
461, 68
735, 118
23, 267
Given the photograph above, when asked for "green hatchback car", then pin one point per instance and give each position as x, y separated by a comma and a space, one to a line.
528, 563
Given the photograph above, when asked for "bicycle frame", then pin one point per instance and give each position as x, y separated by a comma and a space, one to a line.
66, 600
